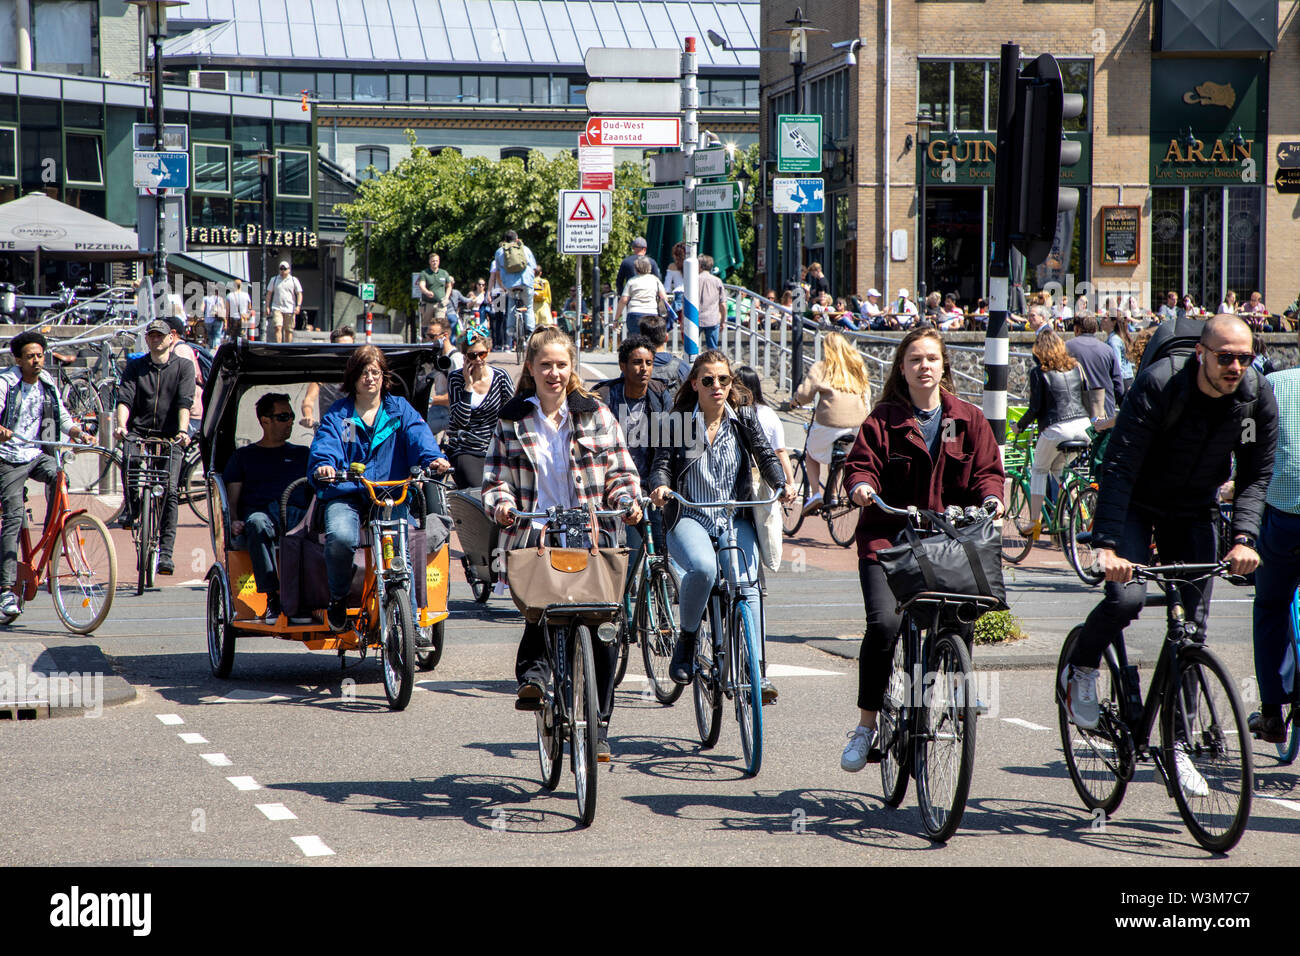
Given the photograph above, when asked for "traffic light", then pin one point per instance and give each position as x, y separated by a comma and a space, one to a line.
1040, 150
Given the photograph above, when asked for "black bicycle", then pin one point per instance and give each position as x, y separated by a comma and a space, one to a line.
837, 506
1204, 754
147, 469
648, 617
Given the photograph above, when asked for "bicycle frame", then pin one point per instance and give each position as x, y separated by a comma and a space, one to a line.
31, 573
388, 558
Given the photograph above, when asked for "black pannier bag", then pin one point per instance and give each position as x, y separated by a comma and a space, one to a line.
947, 559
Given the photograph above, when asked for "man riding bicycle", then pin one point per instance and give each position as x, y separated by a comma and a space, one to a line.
1180, 427
154, 401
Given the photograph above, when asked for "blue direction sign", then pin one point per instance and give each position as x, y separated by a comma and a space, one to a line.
798, 196
161, 170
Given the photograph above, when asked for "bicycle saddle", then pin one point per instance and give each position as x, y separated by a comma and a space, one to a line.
1072, 445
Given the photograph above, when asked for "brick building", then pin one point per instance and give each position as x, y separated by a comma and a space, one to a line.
1186, 106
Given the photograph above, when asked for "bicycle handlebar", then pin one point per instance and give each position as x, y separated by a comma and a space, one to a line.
727, 504
1176, 571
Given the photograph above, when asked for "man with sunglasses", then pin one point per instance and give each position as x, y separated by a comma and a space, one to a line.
1182, 423
256, 477
283, 303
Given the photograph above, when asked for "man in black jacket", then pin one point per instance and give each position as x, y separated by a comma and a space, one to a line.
1178, 431
154, 401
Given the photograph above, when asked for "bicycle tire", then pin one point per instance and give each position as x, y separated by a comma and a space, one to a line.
1095, 758
83, 405
398, 652
427, 658
87, 480
891, 731
143, 543
749, 690
1286, 752
221, 636
521, 345
1065, 498
194, 488
657, 631
1211, 732
1082, 556
93, 570
482, 590
584, 723
945, 753
550, 741
708, 695
1015, 543
792, 513
840, 511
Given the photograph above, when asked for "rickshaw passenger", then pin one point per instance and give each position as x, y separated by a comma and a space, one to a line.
382, 431
256, 477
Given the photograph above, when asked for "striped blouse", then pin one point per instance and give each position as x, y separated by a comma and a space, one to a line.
712, 475
469, 428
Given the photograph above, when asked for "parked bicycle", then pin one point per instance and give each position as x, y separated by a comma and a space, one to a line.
649, 617
1204, 756
837, 507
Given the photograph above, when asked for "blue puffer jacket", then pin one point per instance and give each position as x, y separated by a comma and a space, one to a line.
399, 440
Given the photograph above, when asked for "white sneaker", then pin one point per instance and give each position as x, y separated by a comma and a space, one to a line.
9, 606
1189, 778
854, 757
1079, 687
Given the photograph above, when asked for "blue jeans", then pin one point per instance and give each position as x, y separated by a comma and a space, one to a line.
216, 332
1275, 583
695, 550
709, 337
342, 538
261, 532
633, 320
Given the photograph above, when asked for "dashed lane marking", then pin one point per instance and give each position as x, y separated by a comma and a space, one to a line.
193, 738
1289, 804
1027, 724
312, 846
170, 720
217, 760
276, 811
244, 696
244, 783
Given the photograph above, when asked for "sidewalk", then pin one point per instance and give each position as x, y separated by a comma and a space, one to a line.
63, 681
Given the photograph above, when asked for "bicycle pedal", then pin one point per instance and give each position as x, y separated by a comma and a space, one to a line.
875, 755
533, 704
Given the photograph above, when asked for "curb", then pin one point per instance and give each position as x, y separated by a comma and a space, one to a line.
83, 681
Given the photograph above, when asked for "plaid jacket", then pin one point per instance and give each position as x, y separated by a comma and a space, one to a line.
603, 470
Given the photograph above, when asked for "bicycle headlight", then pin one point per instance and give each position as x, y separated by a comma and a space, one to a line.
607, 633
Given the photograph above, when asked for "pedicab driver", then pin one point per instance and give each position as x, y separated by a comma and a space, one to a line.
384, 432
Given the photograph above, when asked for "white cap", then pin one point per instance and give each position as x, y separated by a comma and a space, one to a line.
871, 292
902, 293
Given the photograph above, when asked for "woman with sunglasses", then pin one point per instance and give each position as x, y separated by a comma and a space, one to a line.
381, 431
711, 459
475, 396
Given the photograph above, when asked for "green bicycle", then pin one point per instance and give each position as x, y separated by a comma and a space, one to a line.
1056, 515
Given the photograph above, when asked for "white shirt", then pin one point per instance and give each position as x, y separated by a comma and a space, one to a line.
870, 308
673, 281
771, 425
239, 303
284, 293
553, 467
27, 425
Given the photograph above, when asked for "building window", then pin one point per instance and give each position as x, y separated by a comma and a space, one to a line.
64, 37
439, 150
829, 96
440, 88
397, 88
516, 152
8, 152
85, 164
962, 95
514, 89
325, 86
211, 168
371, 156
293, 174
415, 87
370, 86
1206, 240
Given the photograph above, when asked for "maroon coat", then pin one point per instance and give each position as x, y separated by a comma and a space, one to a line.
890, 456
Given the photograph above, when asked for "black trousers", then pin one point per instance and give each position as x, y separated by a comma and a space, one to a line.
876, 658
468, 469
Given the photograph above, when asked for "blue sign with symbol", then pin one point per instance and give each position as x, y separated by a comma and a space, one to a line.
162, 170
798, 196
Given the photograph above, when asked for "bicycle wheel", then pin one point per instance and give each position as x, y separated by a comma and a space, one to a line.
550, 740
221, 637
1286, 752
584, 723
83, 404
1096, 759
144, 545
1203, 728
1081, 553
427, 658
891, 734
708, 695
399, 648
95, 485
792, 513
841, 513
657, 631
482, 590
1015, 545
749, 692
194, 489
1065, 498
945, 758
521, 345
83, 574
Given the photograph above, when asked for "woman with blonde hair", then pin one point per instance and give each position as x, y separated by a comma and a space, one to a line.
1058, 402
842, 388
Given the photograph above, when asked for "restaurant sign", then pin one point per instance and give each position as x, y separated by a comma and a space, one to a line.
1208, 122
970, 160
232, 237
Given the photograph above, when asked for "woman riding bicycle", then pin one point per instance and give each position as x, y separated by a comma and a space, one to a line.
840, 384
475, 397
380, 430
556, 446
920, 446
710, 460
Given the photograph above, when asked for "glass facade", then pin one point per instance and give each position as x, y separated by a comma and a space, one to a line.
1205, 241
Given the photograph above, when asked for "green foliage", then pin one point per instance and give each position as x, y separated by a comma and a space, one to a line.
996, 627
747, 162
461, 207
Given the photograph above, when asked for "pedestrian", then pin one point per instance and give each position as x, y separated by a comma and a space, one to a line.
817, 281
434, 284
283, 303
516, 267
1115, 327
541, 301
627, 268
1100, 367
239, 308
641, 298
713, 305
214, 317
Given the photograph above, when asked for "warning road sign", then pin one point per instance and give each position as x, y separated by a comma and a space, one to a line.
580, 215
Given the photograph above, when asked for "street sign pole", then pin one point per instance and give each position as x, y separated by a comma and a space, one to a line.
690, 223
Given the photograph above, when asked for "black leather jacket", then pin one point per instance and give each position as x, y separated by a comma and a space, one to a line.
1054, 397
671, 461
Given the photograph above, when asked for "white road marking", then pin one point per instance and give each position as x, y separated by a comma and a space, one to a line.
217, 760
1028, 725
1232, 600
190, 583
193, 738
171, 720
312, 846
849, 604
276, 811
244, 783
242, 696
1289, 804
773, 670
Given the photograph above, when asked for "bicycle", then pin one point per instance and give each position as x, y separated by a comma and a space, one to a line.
927, 724
569, 706
1204, 755
146, 472
648, 619
1055, 516
521, 333
837, 506
729, 646
74, 555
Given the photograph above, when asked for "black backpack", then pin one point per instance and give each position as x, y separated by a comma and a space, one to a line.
1176, 337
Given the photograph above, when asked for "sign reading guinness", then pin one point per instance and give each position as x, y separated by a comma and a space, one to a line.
228, 237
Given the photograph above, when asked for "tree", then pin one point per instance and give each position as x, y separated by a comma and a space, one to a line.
747, 163
461, 207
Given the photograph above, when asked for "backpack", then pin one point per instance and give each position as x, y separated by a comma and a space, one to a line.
516, 257
1177, 337
204, 356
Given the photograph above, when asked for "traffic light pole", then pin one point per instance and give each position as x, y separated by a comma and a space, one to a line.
996, 340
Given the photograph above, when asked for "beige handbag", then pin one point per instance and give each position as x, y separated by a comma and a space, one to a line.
543, 575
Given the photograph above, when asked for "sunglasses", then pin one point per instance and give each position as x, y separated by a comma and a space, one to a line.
476, 356
1225, 359
280, 417
723, 380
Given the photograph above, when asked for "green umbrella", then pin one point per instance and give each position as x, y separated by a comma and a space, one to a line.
719, 238
662, 233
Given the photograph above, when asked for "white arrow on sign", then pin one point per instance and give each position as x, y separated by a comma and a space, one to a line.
663, 98
642, 64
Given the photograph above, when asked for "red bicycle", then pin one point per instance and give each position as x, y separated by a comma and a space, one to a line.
75, 555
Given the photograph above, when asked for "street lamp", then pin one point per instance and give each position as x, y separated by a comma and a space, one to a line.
265, 158
155, 21
922, 124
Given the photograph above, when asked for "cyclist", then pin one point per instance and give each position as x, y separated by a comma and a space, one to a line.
1172, 447
1058, 400
476, 394
515, 269
1279, 568
155, 400
256, 477
555, 446
31, 410
711, 458
842, 387
923, 446
384, 432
